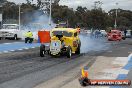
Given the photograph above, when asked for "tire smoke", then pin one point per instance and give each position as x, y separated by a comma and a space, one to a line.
91, 44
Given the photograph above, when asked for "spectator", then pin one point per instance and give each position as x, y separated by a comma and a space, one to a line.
29, 37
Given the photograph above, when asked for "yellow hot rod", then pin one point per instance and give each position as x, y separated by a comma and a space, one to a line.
64, 41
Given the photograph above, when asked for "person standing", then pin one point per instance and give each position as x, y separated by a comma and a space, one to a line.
29, 37
96, 33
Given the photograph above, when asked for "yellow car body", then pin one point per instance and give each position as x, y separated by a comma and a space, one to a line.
68, 36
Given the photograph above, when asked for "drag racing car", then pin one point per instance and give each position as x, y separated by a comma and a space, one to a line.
115, 35
63, 41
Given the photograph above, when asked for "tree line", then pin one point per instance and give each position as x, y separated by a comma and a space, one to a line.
83, 17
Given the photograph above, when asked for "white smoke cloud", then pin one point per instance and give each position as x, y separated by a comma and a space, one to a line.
91, 44
39, 21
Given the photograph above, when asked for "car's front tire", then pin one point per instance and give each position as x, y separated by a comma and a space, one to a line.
42, 51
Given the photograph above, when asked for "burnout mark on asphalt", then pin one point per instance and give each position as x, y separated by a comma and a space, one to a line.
123, 47
109, 51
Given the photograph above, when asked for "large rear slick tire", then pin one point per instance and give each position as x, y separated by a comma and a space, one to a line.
42, 50
78, 48
69, 52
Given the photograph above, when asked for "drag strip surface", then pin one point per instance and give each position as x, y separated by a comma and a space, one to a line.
18, 64
10, 41
9, 47
25, 68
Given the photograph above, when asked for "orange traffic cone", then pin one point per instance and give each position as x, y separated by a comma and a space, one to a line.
84, 81
84, 73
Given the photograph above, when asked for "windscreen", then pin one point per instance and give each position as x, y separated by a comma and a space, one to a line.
10, 27
64, 33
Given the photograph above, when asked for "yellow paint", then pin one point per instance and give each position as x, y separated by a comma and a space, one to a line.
67, 40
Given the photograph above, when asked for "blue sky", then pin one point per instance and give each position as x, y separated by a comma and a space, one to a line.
107, 4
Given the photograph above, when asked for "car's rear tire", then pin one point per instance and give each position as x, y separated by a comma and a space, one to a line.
78, 50
69, 52
42, 51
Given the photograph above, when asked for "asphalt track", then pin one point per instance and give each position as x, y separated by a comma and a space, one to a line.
9, 41
26, 69
8, 47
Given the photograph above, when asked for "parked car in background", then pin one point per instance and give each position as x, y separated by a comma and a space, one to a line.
115, 35
128, 35
11, 31
103, 33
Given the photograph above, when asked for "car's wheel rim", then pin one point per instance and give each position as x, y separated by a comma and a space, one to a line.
15, 37
43, 52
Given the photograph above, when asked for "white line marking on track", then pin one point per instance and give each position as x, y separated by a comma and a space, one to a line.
20, 49
5, 51
12, 50
6, 43
11, 43
26, 48
109, 51
32, 47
